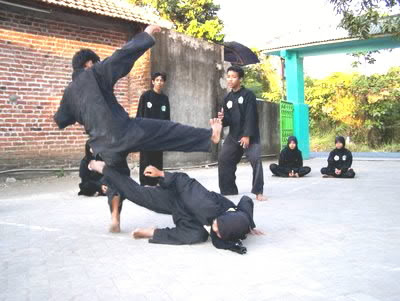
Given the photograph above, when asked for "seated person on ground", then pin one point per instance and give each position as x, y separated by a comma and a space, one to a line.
339, 161
197, 213
290, 161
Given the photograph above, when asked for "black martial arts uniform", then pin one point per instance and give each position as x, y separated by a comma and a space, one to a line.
290, 161
192, 208
156, 106
89, 100
340, 159
240, 114
92, 181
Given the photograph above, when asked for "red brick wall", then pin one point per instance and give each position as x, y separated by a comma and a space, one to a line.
35, 65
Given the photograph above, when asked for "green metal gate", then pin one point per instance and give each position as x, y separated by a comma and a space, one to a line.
286, 121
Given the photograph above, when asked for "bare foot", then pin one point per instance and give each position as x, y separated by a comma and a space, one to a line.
143, 233
216, 126
115, 216
152, 29
260, 197
97, 166
115, 227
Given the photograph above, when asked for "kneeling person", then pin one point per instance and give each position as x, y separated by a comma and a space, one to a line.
196, 212
290, 161
339, 161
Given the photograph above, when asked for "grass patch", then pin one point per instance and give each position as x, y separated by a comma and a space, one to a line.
325, 142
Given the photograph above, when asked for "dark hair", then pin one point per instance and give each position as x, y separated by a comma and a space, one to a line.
82, 57
237, 69
157, 74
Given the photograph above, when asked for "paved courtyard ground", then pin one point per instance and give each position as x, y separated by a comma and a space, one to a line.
326, 239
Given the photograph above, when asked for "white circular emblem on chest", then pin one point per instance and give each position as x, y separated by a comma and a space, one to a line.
149, 104
336, 158
229, 104
240, 99
344, 157
163, 108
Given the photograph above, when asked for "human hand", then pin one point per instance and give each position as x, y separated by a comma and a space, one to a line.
244, 142
221, 114
153, 172
152, 29
256, 232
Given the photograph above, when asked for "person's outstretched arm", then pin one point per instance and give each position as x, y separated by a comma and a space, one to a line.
121, 62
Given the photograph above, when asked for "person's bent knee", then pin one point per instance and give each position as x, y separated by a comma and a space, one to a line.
307, 170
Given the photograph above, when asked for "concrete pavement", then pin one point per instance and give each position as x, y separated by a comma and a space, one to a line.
326, 239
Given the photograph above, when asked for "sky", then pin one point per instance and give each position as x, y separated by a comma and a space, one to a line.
255, 22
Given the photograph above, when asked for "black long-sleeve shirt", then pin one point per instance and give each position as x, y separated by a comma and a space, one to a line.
290, 158
340, 159
89, 99
240, 114
154, 105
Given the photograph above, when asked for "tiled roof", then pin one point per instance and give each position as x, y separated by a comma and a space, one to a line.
119, 9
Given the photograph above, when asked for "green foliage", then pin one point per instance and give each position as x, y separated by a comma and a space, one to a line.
263, 79
367, 108
60, 173
358, 18
197, 18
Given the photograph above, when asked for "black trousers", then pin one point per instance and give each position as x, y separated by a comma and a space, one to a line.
143, 134
229, 157
349, 173
284, 171
162, 200
146, 159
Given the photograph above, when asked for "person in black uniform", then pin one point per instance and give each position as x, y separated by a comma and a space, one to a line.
239, 112
93, 183
290, 161
90, 184
339, 161
153, 104
89, 100
196, 212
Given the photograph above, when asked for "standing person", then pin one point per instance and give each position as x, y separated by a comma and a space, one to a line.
339, 161
153, 104
197, 212
240, 114
290, 161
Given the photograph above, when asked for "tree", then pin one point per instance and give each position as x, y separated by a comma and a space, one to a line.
263, 79
359, 18
365, 107
197, 18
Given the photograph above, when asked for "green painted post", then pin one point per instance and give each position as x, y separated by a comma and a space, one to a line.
295, 94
